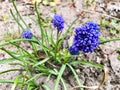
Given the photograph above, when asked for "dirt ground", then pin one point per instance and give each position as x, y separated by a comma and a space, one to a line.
106, 54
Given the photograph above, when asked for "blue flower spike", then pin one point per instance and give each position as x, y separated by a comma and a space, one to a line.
86, 37
27, 34
58, 22
73, 50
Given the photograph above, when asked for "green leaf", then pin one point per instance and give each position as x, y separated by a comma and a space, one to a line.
3, 61
18, 40
113, 31
118, 57
11, 70
16, 82
109, 40
76, 76
39, 22
18, 14
93, 64
41, 62
35, 76
6, 81
68, 31
9, 60
102, 38
63, 82
59, 76
26, 52
45, 87
15, 57
16, 20
105, 22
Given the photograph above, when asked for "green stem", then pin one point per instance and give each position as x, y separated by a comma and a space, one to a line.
115, 39
68, 30
56, 46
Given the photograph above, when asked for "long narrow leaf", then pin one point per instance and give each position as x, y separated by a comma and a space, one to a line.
106, 41
63, 82
68, 30
6, 81
3, 61
16, 82
31, 79
45, 87
59, 76
41, 62
29, 54
11, 70
18, 40
93, 64
76, 76
15, 57
39, 21
19, 15
16, 19
9, 60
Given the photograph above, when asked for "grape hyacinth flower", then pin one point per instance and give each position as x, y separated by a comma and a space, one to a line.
58, 22
73, 50
27, 34
86, 37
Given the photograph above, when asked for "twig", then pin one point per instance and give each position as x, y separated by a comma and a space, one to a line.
97, 86
88, 11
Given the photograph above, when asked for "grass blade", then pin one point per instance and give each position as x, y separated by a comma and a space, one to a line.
76, 76
39, 21
29, 54
16, 20
18, 40
6, 81
16, 82
114, 39
63, 84
11, 70
93, 64
9, 60
19, 15
37, 75
68, 30
59, 76
41, 62
45, 87
15, 57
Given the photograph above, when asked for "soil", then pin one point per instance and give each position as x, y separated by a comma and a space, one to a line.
106, 54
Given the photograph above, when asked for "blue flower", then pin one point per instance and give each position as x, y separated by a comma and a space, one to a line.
58, 22
86, 37
73, 50
27, 34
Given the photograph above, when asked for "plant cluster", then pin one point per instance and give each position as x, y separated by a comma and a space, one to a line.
50, 60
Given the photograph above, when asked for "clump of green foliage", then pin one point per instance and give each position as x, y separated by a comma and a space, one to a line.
50, 60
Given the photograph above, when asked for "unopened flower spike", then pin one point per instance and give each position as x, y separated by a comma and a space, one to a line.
27, 34
58, 22
73, 50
